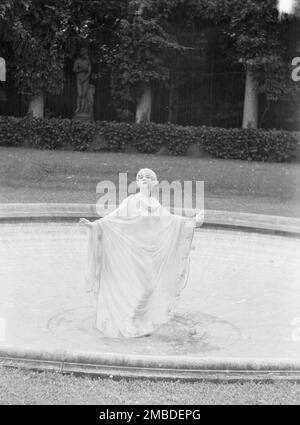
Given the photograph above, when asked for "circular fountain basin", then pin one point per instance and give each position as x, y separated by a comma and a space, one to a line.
239, 314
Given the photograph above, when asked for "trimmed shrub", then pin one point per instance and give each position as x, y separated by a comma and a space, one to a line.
45, 133
234, 143
81, 134
252, 144
10, 131
116, 134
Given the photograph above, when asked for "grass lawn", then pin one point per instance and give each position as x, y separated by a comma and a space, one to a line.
27, 387
29, 175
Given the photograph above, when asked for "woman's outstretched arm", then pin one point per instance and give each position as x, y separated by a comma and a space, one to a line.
85, 222
199, 218
195, 221
92, 225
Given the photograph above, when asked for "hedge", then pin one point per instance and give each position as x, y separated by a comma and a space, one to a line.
245, 144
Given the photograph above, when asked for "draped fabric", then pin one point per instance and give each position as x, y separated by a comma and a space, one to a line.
137, 265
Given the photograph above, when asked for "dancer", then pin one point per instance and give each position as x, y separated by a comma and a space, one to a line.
138, 260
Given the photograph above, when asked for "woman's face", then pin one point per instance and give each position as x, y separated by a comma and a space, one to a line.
145, 179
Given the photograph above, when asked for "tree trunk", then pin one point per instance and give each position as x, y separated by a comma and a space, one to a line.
143, 108
36, 106
250, 115
172, 115
2, 69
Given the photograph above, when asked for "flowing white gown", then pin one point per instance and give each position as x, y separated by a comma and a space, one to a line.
137, 265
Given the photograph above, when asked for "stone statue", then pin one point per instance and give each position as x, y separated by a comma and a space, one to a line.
85, 91
90, 99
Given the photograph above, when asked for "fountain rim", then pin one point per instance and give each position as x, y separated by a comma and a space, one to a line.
112, 365
231, 220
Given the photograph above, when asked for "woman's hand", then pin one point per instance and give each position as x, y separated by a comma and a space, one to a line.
85, 222
199, 218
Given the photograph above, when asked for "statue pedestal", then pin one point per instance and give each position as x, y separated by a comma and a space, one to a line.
83, 116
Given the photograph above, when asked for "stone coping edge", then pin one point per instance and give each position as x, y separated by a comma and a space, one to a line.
211, 217
133, 361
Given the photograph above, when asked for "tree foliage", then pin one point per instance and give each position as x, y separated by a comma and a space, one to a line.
35, 31
42, 34
140, 55
135, 41
256, 38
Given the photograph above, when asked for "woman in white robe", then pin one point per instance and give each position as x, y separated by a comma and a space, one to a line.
138, 261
